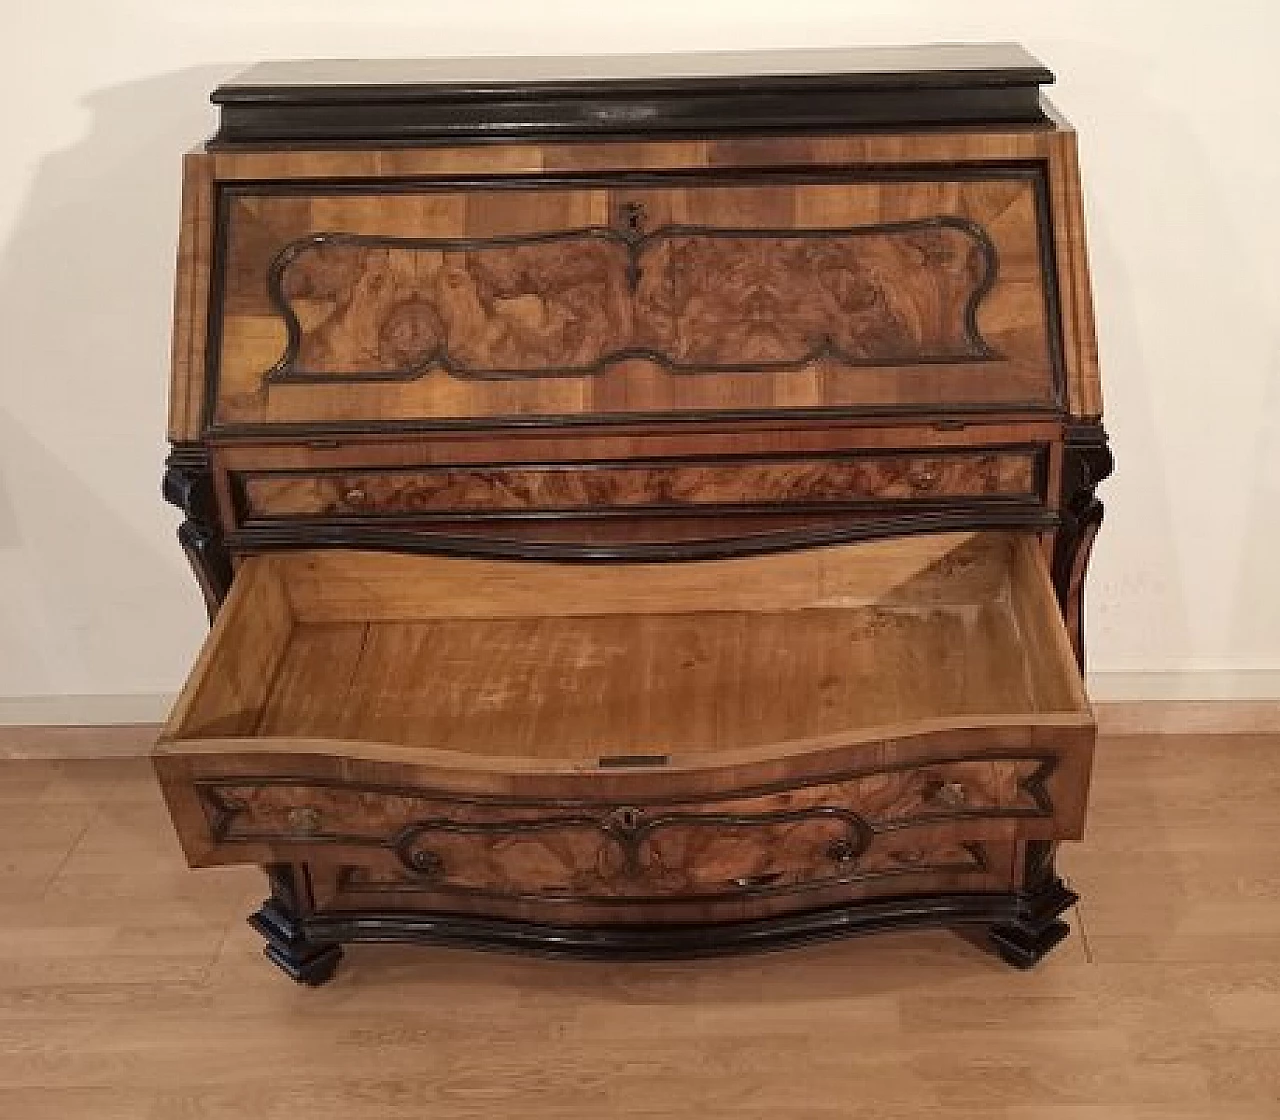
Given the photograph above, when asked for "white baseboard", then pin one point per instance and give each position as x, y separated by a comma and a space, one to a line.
1195, 685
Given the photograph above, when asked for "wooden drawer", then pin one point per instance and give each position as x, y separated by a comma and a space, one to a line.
702, 737
828, 481
849, 807
875, 830
359, 306
709, 873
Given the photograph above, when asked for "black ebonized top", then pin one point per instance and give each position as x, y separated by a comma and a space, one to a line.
436, 100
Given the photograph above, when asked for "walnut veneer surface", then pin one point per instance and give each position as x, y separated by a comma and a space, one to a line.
637, 539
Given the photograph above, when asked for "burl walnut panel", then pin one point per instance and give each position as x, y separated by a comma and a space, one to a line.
736, 877
628, 844
732, 482
689, 300
693, 862
870, 830
412, 305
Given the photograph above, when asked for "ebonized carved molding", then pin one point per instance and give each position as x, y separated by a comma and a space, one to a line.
1014, 515
1022, 925
1087, 461
666, 941
366, 102
418, 322
188, 484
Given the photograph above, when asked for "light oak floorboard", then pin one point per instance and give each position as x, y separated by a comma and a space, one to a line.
131, 987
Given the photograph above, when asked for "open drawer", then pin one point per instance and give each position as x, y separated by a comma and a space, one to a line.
497, 735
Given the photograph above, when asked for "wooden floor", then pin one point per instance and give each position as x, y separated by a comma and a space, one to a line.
131, 987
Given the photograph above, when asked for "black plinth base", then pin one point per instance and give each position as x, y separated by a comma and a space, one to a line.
1022, 928
303, 958
1037, 928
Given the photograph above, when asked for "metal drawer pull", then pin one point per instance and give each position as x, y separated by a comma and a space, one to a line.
951, 794
427, 863
754, 882
354, 496
842, 851
303, 820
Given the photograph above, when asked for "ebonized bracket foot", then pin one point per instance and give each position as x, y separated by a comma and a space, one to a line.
1036, 926
289, 949
1025, 941
303, 958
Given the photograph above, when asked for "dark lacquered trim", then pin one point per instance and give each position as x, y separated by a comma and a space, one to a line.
1087, 461
378, 112
669, 940
326, 535
188, 484
703, 420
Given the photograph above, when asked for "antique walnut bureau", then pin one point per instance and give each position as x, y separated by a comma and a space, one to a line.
643, 503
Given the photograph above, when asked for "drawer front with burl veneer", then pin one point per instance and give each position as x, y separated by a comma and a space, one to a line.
872, 829
704, 870
785, 482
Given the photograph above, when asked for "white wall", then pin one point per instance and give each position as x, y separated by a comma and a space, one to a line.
1179, 125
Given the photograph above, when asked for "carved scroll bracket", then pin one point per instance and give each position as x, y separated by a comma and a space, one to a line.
188, 484
1086, 462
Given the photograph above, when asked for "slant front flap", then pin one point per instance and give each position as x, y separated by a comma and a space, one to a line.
391, 305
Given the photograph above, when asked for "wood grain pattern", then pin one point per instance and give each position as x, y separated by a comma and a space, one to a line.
693, 300
986, 145
551, 307
819, 836
1070, 238
785, 482
526, 161
645, 684
654, 529
642, 350
945, 569
241, 809
684, 861
774, 436
699, 879
237, 665
885, 663
191, 298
